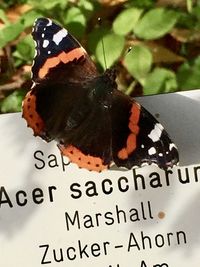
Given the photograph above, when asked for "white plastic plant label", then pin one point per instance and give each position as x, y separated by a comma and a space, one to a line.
54, 214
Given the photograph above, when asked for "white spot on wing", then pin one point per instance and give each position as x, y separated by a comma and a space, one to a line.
49, 23
45, 43
171, 146
35, 22
155, 134
33, 85
152, 151
144, 164
35, 49
57, 38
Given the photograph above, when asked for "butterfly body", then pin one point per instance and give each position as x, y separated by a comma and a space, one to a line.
93, 122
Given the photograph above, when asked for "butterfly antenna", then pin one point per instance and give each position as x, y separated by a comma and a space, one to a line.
103, 46
128, 50
104, 54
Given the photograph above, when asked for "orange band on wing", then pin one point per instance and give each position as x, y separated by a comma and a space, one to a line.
30, 114
131, 141
83, 161
122, 154
63, 57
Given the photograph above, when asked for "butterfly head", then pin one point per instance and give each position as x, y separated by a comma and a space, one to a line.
103, 87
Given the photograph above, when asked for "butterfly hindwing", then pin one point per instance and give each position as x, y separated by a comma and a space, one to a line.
77, 122
90, 143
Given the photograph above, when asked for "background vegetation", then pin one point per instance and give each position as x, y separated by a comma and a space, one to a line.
164, 34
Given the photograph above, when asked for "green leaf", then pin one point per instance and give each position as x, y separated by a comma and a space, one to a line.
143, 3
87, 7
138, 62
28, 18
75, 21
77, 29
188, 75
25, 50
10, 32
4, 17
95, 37
186, 20
74, 14
160, 80
113, 47
13, 102
156, 23
189, 5
126, 20
49, 4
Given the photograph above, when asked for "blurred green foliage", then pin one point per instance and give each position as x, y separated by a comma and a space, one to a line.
164, 36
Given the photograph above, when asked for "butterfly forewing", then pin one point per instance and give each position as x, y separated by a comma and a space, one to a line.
58, 54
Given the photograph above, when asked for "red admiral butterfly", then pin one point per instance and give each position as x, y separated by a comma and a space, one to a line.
93, 122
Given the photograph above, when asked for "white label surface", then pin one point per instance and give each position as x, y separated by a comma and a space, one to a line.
55, 214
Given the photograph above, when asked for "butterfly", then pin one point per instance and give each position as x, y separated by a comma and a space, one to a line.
94, 124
